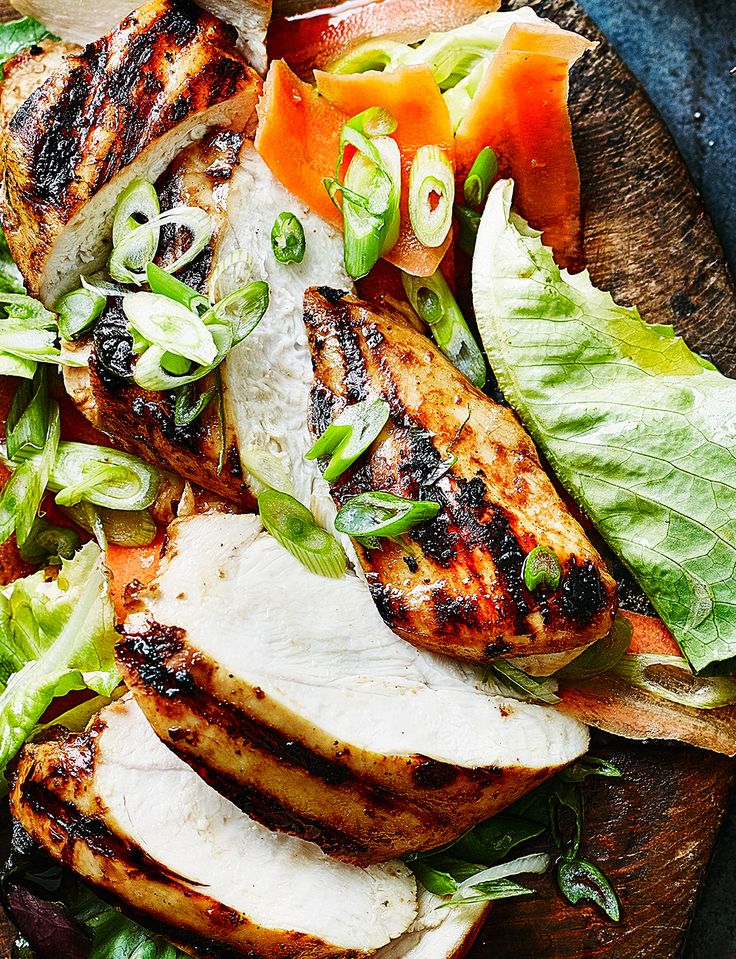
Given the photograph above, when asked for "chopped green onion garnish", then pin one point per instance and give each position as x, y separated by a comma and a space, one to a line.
431, 195
480, 179
137, 204
122, 527
267, 469
243, 310
293, 526
167, 324
540, 690
541, 568
374, 122
165, 284
468, 222
189, 405
109, 477
28, 418
349, 436
49, 544
287, 239
77, 312
129, 259
370, 55
172, 363
670, 678
374, 514
432, 298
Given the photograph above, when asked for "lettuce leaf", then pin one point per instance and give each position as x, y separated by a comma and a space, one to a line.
56, 635
640, 430
17, 35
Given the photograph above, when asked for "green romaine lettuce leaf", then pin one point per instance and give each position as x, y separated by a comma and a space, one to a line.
16, 35
56, 635
639, 429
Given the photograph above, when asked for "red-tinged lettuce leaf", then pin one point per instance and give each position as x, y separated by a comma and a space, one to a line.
639, 429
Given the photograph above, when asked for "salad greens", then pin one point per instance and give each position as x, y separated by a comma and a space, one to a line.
57, 634
639, 429
17, 35
475, 868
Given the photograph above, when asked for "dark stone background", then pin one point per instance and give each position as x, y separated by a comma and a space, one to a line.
683, 52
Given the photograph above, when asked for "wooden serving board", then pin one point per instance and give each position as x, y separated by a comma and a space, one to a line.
649, 241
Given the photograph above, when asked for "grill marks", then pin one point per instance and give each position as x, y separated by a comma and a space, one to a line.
457, 585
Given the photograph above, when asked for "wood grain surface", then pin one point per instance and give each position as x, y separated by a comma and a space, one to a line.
649, 241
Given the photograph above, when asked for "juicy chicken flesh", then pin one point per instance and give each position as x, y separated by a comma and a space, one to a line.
292, 696
80, 21
120, 110
458, 587
142, 422
135, 821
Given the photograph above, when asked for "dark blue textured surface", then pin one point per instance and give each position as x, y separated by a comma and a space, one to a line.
683, 51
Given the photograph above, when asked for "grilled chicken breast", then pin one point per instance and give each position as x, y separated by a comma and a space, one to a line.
142, 422
456, 587
122, 109
288, 692
24, 73
80, 21
127, 815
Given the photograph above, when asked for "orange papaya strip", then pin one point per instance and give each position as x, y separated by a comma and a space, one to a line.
520, 109
131, 566
412, 97
314, 39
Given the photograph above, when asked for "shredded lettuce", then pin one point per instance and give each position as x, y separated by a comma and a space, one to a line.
56, 635
639, 429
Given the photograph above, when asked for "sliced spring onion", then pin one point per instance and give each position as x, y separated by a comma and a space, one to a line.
91, 477
171, 327
603, 655
534, 863
480, 179
468, 222
101, 284
541, 569
221, 417
432, 298
77, 312
28, 418
267, 469
149, 373
374, 514
670, 678
349, 436
189, 405
164, 284
128, 260
232, 272
112, 479
431, 195
122, 527
371, 55
172, 363
49, 544
294, 527
243, 310
374, 122
287, 239
137, 204
540, 690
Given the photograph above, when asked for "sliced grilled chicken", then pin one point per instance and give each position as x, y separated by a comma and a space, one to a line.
289, 693
24, 73
142, 422
438, 933
80, 21
124, 812
457, 586
122, 109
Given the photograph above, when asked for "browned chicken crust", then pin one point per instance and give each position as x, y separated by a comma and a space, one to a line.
140, 421
456, 586
24, 73
165, 75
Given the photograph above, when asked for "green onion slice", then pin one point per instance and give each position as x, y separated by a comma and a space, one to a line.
374, 122
137, 204
164, 284
371, 55
295, 528
540, 690
287, 239
171, 327
376, 514
431, 195
670, 678
49, 544
28, 418
349, 436
122, 527
77, 312
267, 469
480, 179
150, 374
243, 310
129, 259
432, 299
541, 569
468, 222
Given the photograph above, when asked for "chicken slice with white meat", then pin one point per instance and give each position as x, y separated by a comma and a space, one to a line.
289, 693
119, 808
